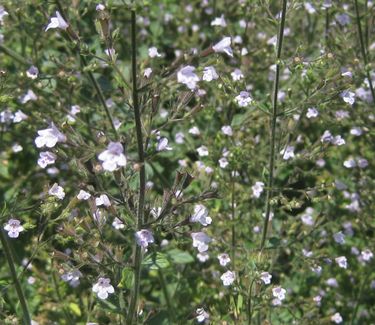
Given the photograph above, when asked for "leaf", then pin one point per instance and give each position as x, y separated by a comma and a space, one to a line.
156, 261
274, 241
75, 309
127, 278
180, 257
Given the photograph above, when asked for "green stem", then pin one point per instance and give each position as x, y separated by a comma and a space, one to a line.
142, 174
249, 306
271, 161
363, 50
14, 55
365, 281
166, 296
21, 296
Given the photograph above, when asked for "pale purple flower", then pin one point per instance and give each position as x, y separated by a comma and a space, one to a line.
348, 97
202, 151
367, 255
179, 138
287, 153
103, 287
223, 162
341, 262
336, 318
83, 195
32, 72
227, 130
209, 74
144, 237
111, 52
118, 224
113, 157
326, 137
362, 162
224, 46
13, 227
46, 158
19, 116
49, 137
100, 7
310, 8
257, 189
57, 22
17, 148
202, 315
201, 215
228, 278
338, 140
194, 130
219, 21
243, 99
102, 200
203, 257
72, 277
350, 163
237, 75
312, 112
224, 259
279, 293
188, 77
332, 282
57, 191
200, 241
147, 73
266, 277
356, 131
153, 52
29, 96
163, 145
3, 13
339, 238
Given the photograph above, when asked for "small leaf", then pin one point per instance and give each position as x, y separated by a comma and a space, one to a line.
180, 257
156, 261
127, 278
75, 309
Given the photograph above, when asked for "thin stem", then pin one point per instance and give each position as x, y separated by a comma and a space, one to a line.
365, 281
249, 306
166, 296
233, 211
142, 173
21, 296
14, 55
271, 161
363, 50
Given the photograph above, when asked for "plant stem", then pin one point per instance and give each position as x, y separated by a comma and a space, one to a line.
14, 55
166, 296
21, 296
363, 50
142, 173
271, 161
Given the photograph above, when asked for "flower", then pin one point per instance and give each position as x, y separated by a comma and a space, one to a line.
187, 77
19, 116
287, 153
144, 237
57, 22
224, 46
223, 162
202, 315
348, 97
113, 158
228, 278
102, 200
243, 99
339, 238
30, 95
100, 7
163, 145
266, 277
32, 72
219, 21
224, 259
203, 257
49, 137
257, 189
227, 130
237, 75
147, 73
312, 112
153, 52
111, 52
201, 215
202, 151
367, 255
209, 74
57, 191
118, 224
279, 293
3, 13
83, 195
13, 227
336, 318
341, 262
103, 287
200, 241
46, 158
72, 277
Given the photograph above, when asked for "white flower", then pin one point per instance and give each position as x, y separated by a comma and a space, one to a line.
163, 145
17, 148
326, 137
32, 72
219, 21
312, 112
287, 153
202, 151
356, 131
113, 158
202, 315
279, 293
227, 130
341, 262
103, 287
339, 238
57, 191
144, 237
367, 255
49, 137
310, 8
338, 140
102, 200
83, 195
72, 277
228, 278
187, 76
257, 189
194, 131
179, 138
223, 162
111, 52
350, 163
118, 224
224, 46
19, 116
13, 227
224, 259
348, 97
3, 13
209, 74
57, 22
46, 158
203, 257
201, 215
336, 318
362, 162
99, 7
147, 73
200, 241
29, 96
243, 99
316, 269
266, 277
237, 75
153, 52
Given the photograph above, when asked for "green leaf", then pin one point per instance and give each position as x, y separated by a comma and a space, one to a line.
274, 241
180, 257
75, 309
127, 278
156, 261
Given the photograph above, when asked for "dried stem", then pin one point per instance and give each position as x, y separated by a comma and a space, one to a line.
271, 161
142, 173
